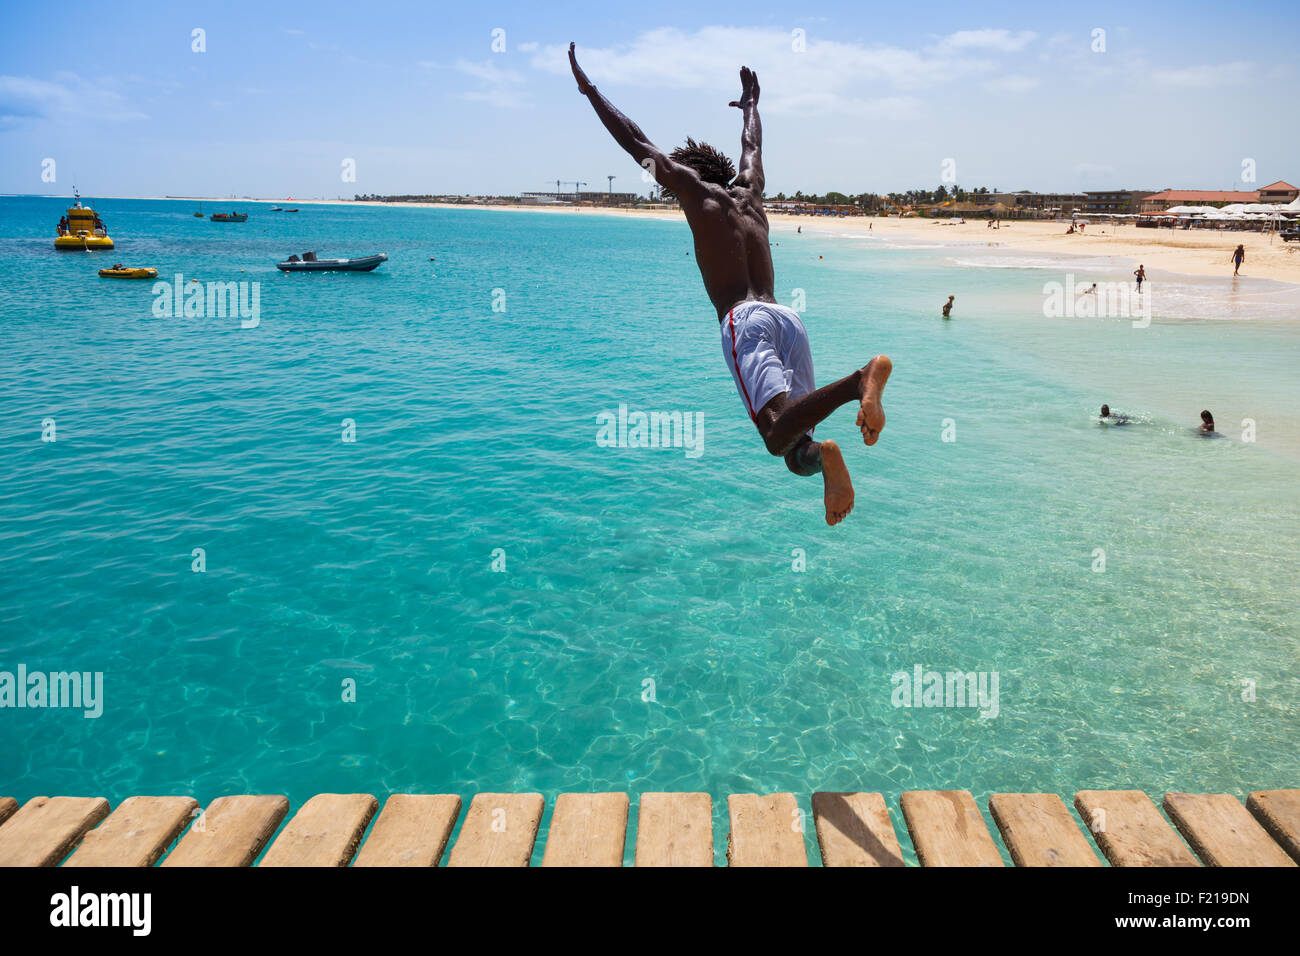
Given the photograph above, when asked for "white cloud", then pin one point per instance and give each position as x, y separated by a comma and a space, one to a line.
1206, 76
1011, 83
64, 98
499, 87
998, 41
829, 75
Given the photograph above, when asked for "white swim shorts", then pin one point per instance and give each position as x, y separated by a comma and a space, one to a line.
766, 347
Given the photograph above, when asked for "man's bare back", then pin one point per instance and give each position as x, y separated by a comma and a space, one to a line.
768, 350
731, 246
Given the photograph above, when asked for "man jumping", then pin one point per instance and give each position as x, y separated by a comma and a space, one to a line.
764, 344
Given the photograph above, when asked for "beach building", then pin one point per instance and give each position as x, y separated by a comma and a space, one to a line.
1116, 202
591, 197
1025, 202
1279, 191
1159, 202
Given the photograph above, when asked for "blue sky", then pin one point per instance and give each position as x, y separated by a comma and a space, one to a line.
876, 100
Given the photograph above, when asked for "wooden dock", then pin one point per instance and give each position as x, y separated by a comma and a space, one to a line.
945, 828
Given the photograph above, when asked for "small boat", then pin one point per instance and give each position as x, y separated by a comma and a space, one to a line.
309, 263
81, 229
229, 217
277, 209
199, 214
291, 210
120, 271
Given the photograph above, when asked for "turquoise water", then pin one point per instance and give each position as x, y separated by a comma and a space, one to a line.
476, 430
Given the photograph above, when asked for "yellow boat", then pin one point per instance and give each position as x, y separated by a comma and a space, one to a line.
122, 272
82, 229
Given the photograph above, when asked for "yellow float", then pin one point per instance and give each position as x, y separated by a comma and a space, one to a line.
82, 229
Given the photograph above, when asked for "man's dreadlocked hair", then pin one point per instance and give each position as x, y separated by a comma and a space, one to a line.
713, 166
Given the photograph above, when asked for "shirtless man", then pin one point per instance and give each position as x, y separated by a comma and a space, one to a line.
764, 344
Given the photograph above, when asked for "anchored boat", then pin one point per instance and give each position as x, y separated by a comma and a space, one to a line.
229, 217
80, 228
120, 271
309, 263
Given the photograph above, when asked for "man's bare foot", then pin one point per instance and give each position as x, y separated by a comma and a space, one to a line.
839, 489
871, 414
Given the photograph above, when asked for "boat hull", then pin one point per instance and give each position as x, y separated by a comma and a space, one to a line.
360, 264
78, 243
128, 273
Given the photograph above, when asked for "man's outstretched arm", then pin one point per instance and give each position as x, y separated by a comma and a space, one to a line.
751, 137
627, 134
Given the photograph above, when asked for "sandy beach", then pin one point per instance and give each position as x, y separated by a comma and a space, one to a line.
1196, 252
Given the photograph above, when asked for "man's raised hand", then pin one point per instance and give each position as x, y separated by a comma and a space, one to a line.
748, 89
584, 85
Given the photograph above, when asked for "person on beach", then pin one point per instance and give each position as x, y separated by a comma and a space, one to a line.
1238, 257
765, 345
947, 307
1140, 273
1207, 422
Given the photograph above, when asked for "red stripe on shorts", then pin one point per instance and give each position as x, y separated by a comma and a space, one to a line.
731, 318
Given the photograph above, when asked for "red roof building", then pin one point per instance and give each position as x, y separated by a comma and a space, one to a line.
1159, 202
1279, 191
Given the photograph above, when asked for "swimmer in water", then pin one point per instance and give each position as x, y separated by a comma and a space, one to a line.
947, 308
1207, 422
1113, 418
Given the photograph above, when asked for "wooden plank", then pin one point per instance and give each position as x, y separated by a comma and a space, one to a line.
765, 831
1222, 831
46, 828
674, 829
412, 830
324, 832
854, 829
587, 829
1130, 830
137, 833
8, 806
1278, 812
499, 830
230, 832
1039, 831
947, 829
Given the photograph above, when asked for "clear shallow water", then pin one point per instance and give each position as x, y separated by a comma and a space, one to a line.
476, 431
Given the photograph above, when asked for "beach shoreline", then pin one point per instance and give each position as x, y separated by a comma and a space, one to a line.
1192, 252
